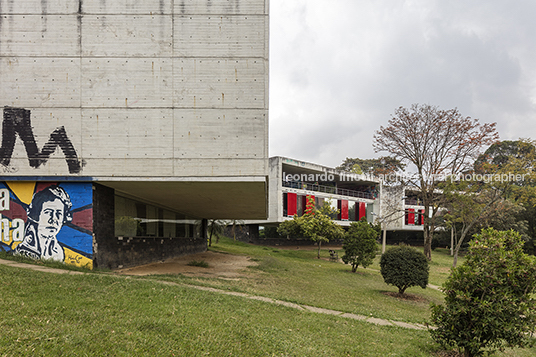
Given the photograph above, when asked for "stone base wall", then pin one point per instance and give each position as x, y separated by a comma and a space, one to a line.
127, 252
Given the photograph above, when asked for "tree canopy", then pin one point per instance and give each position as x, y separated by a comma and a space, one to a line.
315, 224
360, 244
383, 166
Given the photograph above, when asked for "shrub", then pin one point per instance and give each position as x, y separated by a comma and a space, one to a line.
404, 267
198, 263
488, 303
360, 244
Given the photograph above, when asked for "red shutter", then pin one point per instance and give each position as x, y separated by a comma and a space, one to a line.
342, 205
411, 216
421, 217
292, 204
362, 210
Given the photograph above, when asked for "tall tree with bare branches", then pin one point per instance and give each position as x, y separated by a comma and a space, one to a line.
437, 143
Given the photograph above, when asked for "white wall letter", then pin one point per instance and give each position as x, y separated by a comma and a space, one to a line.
4, 199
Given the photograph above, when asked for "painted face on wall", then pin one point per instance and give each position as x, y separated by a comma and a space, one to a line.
50, 218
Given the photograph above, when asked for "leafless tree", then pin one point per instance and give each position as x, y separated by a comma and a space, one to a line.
437, 143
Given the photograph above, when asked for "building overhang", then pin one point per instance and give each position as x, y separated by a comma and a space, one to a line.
237, 198
211, 198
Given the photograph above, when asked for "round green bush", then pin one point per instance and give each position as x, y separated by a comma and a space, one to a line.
404, 267
490, 300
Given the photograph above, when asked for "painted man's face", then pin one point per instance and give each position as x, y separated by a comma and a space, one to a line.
50, 218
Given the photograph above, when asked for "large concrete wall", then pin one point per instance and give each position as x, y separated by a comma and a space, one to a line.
143, 88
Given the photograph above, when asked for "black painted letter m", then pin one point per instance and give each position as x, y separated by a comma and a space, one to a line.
17, 121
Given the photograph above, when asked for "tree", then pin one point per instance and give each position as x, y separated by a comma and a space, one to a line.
468, 203
215, 226
437, 143
315, 225
488, 302
233, 223
501, 153
520, 157
384, 166
404, 267
360, 244
494, 196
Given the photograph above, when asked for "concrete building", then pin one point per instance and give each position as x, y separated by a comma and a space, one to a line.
292, 182
141, 117
402, 209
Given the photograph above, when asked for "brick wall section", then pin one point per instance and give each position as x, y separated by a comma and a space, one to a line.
103, 226
111, 252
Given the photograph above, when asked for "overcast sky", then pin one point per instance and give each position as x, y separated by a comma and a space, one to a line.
339, 69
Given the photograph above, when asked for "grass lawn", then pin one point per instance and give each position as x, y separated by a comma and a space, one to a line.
295, 275
44, 314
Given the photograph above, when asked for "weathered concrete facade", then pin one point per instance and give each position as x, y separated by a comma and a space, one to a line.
165, 101
142, 87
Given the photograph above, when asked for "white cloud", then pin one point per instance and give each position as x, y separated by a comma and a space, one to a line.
339, 69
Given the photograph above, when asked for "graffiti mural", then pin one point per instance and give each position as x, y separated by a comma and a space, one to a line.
17, 121
48, 221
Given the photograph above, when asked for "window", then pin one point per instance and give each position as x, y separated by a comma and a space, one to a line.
138, 219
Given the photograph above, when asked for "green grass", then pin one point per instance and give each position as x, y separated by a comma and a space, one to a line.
295, 275
44, 314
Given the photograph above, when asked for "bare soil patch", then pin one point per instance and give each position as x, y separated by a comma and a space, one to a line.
405, 296
220, 265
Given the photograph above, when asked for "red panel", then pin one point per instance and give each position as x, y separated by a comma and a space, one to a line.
342, 205
84, 219
292, 204
40, 186
362, 210
421, 217
411, 216
15, 211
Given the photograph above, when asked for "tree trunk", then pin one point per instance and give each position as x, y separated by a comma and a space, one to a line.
210, 236
457, 249
462, 238
428, 242
234, 232
318, 253
428, 229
